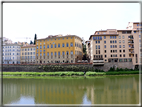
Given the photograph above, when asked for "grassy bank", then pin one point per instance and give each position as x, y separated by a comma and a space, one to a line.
68, 73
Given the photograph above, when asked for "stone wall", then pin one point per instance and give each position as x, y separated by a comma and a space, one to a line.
35, 68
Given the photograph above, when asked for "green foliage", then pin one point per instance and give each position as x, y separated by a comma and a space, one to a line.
55, 68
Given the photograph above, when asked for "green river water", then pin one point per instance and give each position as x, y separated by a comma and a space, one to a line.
76, 90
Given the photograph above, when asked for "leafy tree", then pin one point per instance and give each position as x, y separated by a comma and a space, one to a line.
35, 39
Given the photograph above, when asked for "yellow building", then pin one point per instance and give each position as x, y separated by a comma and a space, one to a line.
28, 54
59, 49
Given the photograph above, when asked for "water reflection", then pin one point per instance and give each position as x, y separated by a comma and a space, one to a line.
108, 90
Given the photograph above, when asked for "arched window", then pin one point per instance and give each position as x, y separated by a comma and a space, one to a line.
71, 44
67, 45
58, 53
58, 45
67, 53
71, 52
51, 46
63, 53
55, 53
63, 45
55, 46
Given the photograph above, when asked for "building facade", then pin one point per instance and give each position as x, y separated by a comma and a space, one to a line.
11, 54
28, 54
116, 46
59, 49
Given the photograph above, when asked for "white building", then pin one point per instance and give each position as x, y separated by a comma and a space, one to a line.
11, 53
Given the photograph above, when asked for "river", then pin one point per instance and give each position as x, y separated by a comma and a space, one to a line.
75, 90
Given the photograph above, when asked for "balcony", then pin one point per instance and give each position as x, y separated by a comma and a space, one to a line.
130, 37
131, 47
130, 42
131, 52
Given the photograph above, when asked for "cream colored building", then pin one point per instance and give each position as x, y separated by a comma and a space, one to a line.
59, 49
28, 54
116, 46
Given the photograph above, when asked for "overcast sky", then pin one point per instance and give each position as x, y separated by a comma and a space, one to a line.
21, 20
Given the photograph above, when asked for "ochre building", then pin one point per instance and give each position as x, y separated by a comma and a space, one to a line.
59, 49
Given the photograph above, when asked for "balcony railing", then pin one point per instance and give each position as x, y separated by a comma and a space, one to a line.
130, 42
98, 59
131, 47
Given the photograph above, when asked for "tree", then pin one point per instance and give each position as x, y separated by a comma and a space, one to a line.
35, 39
31, 42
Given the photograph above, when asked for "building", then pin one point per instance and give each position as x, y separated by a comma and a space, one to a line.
11, 54
59, 49
28, 54
6, 41
22, 43
88, 49
116, 48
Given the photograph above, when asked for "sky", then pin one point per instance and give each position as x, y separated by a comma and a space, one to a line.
24, 20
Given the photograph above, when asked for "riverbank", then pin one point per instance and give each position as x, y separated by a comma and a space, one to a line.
69, 73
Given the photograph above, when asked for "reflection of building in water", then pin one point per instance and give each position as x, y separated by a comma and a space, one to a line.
115, 91
58, 94
109, 90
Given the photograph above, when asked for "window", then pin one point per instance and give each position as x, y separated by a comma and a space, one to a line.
44, 46
110, 37
119, 50
40, 54
63, 53
55, 53
63, 45
55, 46
58, 53
67, 38
123, 37
37, 54
139, 36
98, 46
119, 46
58, 45
51, 53
110, 41
43, 50
104, 41
47, 46
113, 46
51, 46
115, 41
125, 60
120, 55
123, 41
71, 52
119, 41
123, 55
105, 51
105, 46
110, 46
105, 56
134, 31
104, 37
63, 38
71, 44
111, 51
123, 50
40, 50
96, 42
115, 37
67, 53
67, 45
123, 46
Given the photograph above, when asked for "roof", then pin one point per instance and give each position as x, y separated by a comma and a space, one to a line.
59, 37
